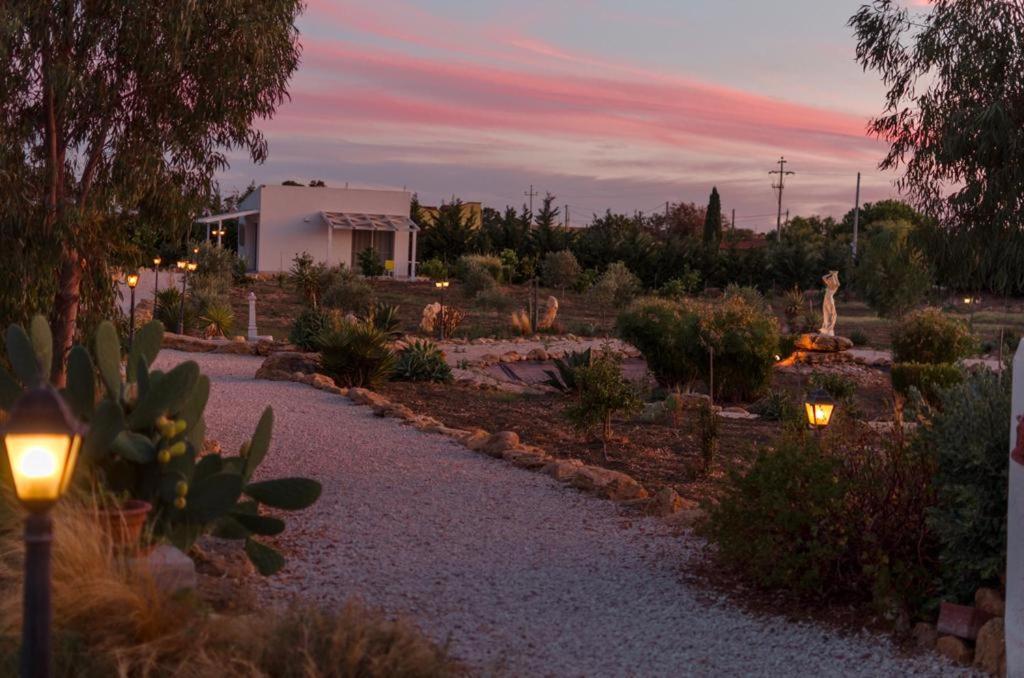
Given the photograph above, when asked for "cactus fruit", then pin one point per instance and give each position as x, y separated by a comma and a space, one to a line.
153, 421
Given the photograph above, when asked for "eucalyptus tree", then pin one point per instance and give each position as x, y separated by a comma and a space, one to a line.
114, 116
954, 121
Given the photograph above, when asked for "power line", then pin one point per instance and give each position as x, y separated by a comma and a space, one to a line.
783, 173
530, 195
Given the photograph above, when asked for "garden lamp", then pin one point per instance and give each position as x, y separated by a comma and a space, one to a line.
443, 286
819, 406
185, 266
156, 276
133, 280
42, 440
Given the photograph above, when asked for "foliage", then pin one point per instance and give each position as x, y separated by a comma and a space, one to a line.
676, 340
309, 278
384, 317
210, 284
707, 426
219, 319
356, 354
840, 387
750, 296
893, 275
477, 279
560, 269
713, 221
434, 269
602, 392
844, 519
168, 309
617, 286
564, 376
495, 299
448, 234
859, 337
422, 361
931, 336
930, 379
469, 263
968, 436
308, 327
777, 405
683, 286
349, 293
370, 264
145, 441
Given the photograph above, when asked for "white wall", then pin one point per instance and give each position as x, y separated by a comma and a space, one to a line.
290, 223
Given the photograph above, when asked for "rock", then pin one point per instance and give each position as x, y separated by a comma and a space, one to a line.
822, 344
489, 359
273, 375
528, 459
362, 396
400, 411
537, 354
962, 621
666, 501
563, 470
497, 443
990, 601
170, 569
475, 439
510, 357
924, 635
686, 518
290, 362
954, 649
183, 342
603, 482
322, 382
235, 348
990, 648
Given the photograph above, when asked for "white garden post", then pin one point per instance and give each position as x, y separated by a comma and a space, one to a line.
1015, 532
252, 316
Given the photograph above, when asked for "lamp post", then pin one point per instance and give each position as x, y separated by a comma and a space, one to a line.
156, 273
42, 440
183, 267
819, 407
443, 286
133, 280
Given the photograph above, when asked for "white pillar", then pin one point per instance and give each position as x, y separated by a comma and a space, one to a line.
412, 261
1015, 531
252, 316
220, 229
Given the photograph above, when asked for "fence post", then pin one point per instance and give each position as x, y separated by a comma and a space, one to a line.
252, 316
1015, 531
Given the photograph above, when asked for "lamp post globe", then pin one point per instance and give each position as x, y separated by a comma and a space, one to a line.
441, 285
132, 280
819, 407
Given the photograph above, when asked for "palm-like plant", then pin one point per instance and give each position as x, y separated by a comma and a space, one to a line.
219, 319
356, 354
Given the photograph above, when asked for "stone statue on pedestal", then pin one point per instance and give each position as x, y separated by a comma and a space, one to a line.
828, 306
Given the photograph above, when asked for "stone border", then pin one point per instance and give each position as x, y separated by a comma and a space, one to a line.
596, 480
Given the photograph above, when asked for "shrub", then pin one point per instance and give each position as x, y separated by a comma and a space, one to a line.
211, 281
168, 308
309, 278
859, 337
836, 385
893, 275
495, 299
560, 270
929, 380
370, 264
676, 339
435, 269
469, 262
218, 318
777, 405
683, 286
384, 317
356, 354
422, 361
842, 519
750, 295
308, 327
930, 336
968, 437
585, 281
602, 392
564, 376
477, 279
707, 425
350, 294
617, 286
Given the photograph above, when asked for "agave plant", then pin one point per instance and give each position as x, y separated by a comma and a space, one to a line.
145, 439
384, 317
565, 378
422, 361
219, 319
356, 354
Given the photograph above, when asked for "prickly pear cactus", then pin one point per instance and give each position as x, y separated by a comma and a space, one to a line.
146, 435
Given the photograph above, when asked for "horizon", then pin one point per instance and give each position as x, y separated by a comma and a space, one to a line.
605, 108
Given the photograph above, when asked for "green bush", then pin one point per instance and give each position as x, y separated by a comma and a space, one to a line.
435, 269
617, 286
370, 263
210, 284
931, 336
930, 380
750, 295
495, 299
968, 437
836, 385
356, 354
349, 294
560, 270
893, 275
602, 392
309, 278
585, 281
422, 361
384, 317
676, 339
219, 317
471, 262
477, 279
777, 405
682, 286
843, 520
168, 308
308, 327
859, 338
707, 427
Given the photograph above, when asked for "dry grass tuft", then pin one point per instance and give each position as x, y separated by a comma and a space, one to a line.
111, 620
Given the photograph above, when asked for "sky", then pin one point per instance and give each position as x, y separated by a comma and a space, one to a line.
605, 104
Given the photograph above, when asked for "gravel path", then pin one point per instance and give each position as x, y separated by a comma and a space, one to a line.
522, 575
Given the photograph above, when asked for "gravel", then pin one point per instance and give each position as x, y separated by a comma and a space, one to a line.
522, 575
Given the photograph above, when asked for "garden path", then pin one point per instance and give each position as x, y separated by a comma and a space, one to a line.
522, 575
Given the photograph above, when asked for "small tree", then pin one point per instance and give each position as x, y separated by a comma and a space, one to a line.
893, 274
713, 221
370, 264
617, 285
560, 270
602, 392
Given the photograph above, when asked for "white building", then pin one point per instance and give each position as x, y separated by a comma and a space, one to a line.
334, 225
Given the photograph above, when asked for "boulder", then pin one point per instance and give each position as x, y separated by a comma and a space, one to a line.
290, 362
665, 502
235, 348
537, 354
475, 439
363, 396
322, 381
170, 569
990, 601
990, 648
603, 482
563, 470
962, 621
954, 649
821, 343
924, 635
510, 357
526, 458
498, 443
273, 375
489, 359
183, 342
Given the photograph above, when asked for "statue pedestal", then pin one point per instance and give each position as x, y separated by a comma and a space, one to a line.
820, 343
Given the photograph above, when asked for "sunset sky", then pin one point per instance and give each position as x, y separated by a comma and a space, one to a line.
604, 103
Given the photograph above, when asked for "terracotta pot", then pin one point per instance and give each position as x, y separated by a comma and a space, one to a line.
124, 524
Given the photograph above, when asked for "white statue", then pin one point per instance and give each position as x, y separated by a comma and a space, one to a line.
828, 306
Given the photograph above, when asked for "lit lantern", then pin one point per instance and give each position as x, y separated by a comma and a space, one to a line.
819, 407
42, 441
157, 261
132, 279
192, 266
182, 264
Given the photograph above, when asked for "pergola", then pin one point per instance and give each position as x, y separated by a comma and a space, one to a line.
357, 221
219, 219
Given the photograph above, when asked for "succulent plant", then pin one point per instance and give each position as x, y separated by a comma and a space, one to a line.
145, 439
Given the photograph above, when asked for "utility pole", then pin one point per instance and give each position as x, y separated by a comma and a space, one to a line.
856, 220
567, 216
530, 195
732, 224
783, 173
